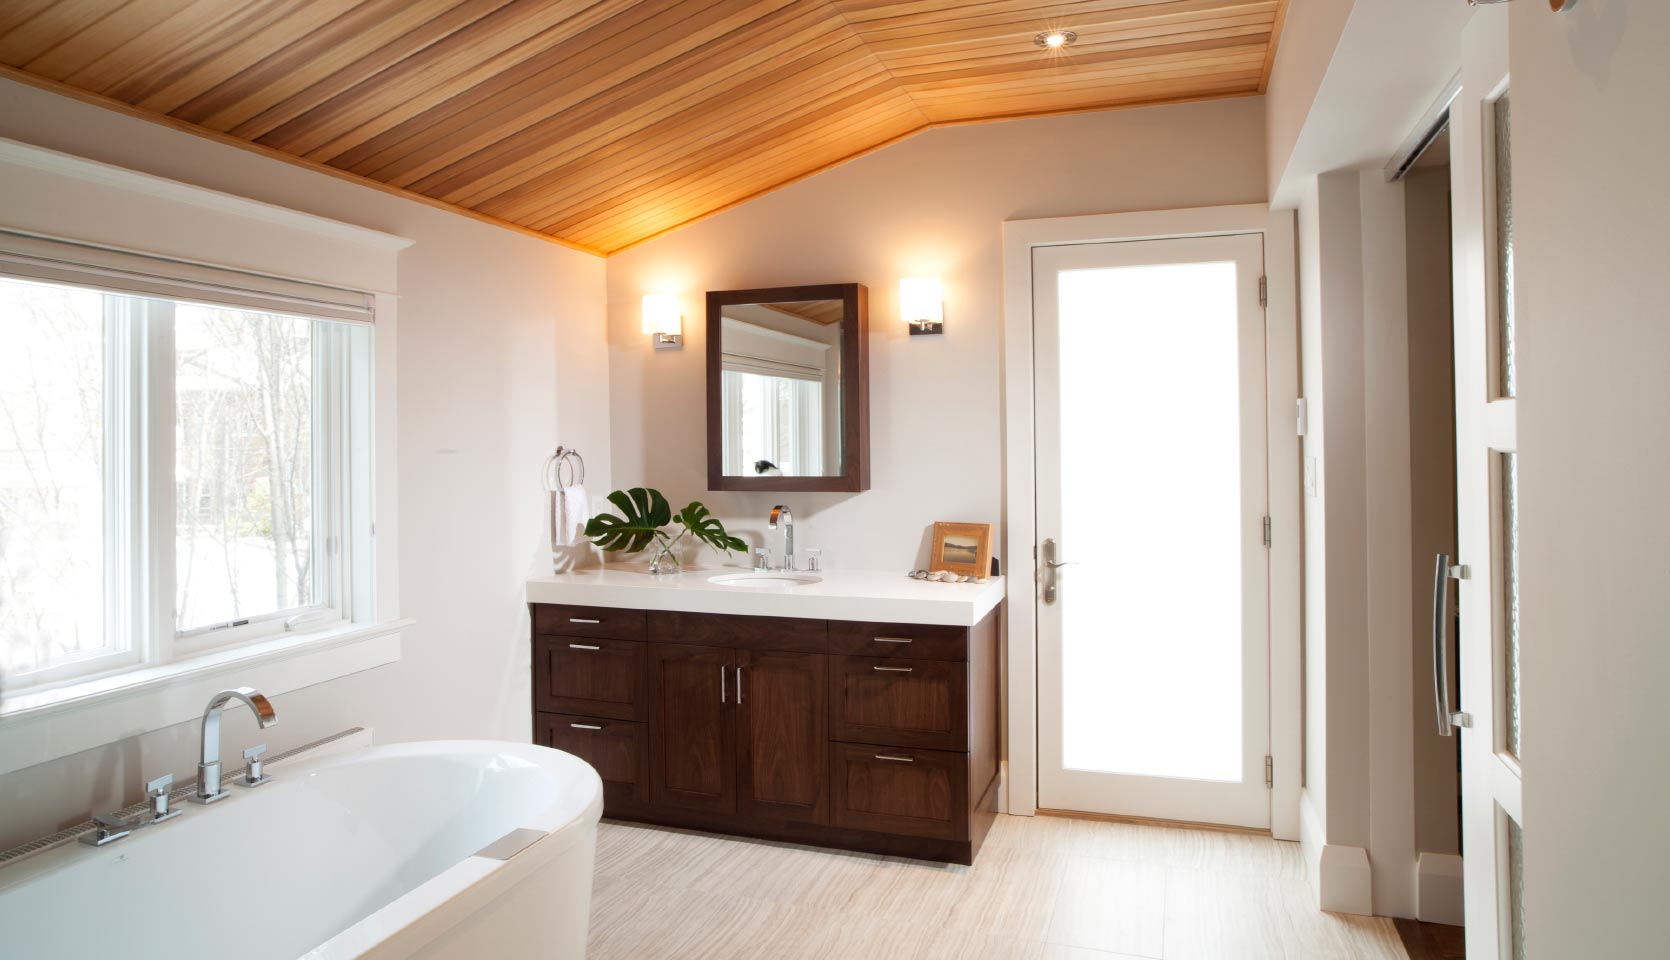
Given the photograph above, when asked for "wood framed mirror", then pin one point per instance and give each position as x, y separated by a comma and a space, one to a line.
788, 388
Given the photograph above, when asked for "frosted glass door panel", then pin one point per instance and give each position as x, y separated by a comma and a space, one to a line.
1153, 645
1151, 519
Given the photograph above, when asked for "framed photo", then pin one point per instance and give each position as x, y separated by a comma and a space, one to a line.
962, 548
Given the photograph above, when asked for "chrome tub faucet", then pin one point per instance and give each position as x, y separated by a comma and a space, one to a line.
208, 767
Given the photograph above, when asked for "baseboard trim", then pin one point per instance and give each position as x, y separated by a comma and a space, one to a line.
1339, 874
1439, 896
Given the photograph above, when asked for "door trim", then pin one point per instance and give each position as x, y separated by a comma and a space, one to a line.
1020, 496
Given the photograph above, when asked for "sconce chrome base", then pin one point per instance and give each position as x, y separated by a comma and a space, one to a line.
925, 329
668, 341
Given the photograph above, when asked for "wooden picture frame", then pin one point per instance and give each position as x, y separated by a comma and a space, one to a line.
970, 549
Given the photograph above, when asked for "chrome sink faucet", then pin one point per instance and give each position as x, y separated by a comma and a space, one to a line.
208, 767
780, 516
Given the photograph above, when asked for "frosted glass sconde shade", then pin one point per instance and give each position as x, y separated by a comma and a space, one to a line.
662, 320
922, 305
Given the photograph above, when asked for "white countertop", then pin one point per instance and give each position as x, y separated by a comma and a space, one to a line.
840, 595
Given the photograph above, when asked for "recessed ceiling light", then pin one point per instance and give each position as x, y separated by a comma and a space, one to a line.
1055, 39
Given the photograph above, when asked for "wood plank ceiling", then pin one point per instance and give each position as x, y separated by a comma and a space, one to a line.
602, 123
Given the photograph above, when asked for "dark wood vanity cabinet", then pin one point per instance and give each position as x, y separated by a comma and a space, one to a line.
867, 736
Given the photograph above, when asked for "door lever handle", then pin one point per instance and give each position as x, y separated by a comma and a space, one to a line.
1048, 565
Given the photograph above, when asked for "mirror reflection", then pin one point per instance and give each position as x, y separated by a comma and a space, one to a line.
780, 385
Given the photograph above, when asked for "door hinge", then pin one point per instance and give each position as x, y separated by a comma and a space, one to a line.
1266, 531
1264, 291
1269, 773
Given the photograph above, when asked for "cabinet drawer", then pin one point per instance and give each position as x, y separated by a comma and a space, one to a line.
593, 676
788, 634
616, 749
919, 793
561, 619
917, 641
904, 703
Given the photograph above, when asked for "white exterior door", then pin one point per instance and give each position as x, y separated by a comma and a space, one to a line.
1486, 583
1152, 491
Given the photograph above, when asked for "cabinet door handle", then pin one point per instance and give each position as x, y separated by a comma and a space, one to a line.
721, 683
883, 756
894, 639
897, 669
584, 646
738, 684
585, 726
582, 620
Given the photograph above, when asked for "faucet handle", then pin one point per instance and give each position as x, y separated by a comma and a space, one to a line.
254, 776
158, 791
160, 787
814, 560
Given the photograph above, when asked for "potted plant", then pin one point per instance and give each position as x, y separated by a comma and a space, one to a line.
644, 514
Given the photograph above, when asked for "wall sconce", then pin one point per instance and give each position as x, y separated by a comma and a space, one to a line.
922, 305
663, 322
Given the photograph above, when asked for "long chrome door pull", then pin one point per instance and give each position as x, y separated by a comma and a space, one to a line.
585, 726
582, 620
583, 646
721, 683
897, 669
894, 639
883, 756
1448, 717
738, 684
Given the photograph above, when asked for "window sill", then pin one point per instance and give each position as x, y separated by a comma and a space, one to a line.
39, 726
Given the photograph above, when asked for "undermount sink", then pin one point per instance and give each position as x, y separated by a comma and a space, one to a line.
783, 579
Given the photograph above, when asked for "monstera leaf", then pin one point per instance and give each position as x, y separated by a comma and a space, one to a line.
704, 526
643, 513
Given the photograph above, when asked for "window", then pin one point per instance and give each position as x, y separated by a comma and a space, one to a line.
175, 475
775, 420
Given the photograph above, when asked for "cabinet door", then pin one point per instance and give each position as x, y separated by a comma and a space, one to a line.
783, 735
591, 676
693, 731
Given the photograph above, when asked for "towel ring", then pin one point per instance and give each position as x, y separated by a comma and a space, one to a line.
563, 456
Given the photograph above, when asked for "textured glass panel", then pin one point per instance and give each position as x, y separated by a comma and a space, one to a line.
1510, 593
1151, 508
243, 465
1504, 244
1516, 889
52, 522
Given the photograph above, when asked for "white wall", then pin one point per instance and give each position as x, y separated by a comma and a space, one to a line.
932, 205
500, 357
1591, 134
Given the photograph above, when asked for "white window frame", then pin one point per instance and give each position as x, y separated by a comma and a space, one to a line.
140, 411
220, 245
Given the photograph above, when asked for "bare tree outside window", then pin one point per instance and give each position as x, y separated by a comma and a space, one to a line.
243, 464
52, 499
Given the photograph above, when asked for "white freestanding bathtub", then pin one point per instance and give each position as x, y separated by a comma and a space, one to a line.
368, 853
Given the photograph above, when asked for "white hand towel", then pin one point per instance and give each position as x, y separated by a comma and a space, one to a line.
570, 509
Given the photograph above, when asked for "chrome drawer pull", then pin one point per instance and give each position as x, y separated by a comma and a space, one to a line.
883, 756
894, 639
585, 726
583, 646
582, 620
897, 669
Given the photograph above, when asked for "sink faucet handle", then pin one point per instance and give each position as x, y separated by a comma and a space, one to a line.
160, 787
254, 776
762, 558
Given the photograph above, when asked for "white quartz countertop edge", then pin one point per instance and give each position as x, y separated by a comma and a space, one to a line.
840, 595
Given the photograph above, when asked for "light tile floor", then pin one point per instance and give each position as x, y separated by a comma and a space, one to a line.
1042, 888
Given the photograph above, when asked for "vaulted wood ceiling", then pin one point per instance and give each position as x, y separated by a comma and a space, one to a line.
602, 123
